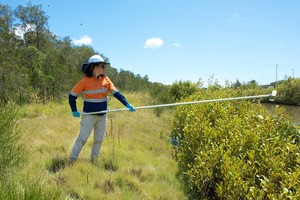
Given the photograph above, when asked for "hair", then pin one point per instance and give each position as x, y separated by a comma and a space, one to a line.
90, 69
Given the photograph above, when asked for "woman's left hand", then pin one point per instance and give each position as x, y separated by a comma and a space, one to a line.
130, 107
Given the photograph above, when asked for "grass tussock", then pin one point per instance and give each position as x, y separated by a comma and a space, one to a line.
57, 164
135, 162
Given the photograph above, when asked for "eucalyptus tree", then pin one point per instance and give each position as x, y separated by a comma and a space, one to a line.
10, 79
34, 24
39, 50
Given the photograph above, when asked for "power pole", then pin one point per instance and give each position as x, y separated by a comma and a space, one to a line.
276, 74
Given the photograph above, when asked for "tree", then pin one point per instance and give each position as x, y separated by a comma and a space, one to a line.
35, 62
182, 89
10, 84
237, 84
251, 85
34, 24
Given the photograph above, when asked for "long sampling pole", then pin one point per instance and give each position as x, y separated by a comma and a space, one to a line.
270, 96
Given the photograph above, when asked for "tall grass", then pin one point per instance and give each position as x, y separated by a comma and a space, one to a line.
13, 189
11, 150
13, 154
135, 162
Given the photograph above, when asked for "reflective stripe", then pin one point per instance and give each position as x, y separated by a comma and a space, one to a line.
94, 91
96, 100
114, 91
73, 94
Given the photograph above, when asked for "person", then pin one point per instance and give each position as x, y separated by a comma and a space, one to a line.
94, 86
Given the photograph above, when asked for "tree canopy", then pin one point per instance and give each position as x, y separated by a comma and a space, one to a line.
37, 65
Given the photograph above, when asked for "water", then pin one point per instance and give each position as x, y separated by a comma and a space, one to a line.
292, 111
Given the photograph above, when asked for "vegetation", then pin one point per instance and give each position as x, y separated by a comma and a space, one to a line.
229, 150
234, 150
289, 92
136, 160
11, 151
37, 65
13, 154
182, 89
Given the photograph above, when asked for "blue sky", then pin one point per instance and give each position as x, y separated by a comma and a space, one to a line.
172, 40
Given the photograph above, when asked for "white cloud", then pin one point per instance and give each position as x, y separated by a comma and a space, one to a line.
153, 43
176, 44
19, 31
85, 40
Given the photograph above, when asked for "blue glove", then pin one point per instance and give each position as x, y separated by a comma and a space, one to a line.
130, 107
76, 114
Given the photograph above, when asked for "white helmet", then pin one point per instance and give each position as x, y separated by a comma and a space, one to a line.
96, 59
89, 67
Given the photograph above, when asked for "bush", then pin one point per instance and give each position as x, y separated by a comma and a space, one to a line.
11, 150
183, 89
289, 92
234, 150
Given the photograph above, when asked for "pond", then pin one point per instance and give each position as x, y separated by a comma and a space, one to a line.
292, 111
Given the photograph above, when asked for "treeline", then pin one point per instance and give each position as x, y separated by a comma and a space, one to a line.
37, 65
288, 90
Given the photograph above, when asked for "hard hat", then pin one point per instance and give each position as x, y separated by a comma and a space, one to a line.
88, 68
96, 59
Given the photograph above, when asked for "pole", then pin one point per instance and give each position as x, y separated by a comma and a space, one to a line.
271, 96
276, 74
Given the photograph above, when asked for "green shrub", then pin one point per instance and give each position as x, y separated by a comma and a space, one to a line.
234, 150
289, 92
183, 89
11, 150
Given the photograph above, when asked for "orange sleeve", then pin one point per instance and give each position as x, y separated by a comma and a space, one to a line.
79, 87
111, 87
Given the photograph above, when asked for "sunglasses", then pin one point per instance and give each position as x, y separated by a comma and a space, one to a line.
100, 64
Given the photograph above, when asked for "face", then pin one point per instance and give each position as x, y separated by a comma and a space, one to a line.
98, 69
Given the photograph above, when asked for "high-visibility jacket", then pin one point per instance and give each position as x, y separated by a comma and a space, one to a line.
95, 93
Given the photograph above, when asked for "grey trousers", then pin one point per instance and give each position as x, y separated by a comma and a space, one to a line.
88, 122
